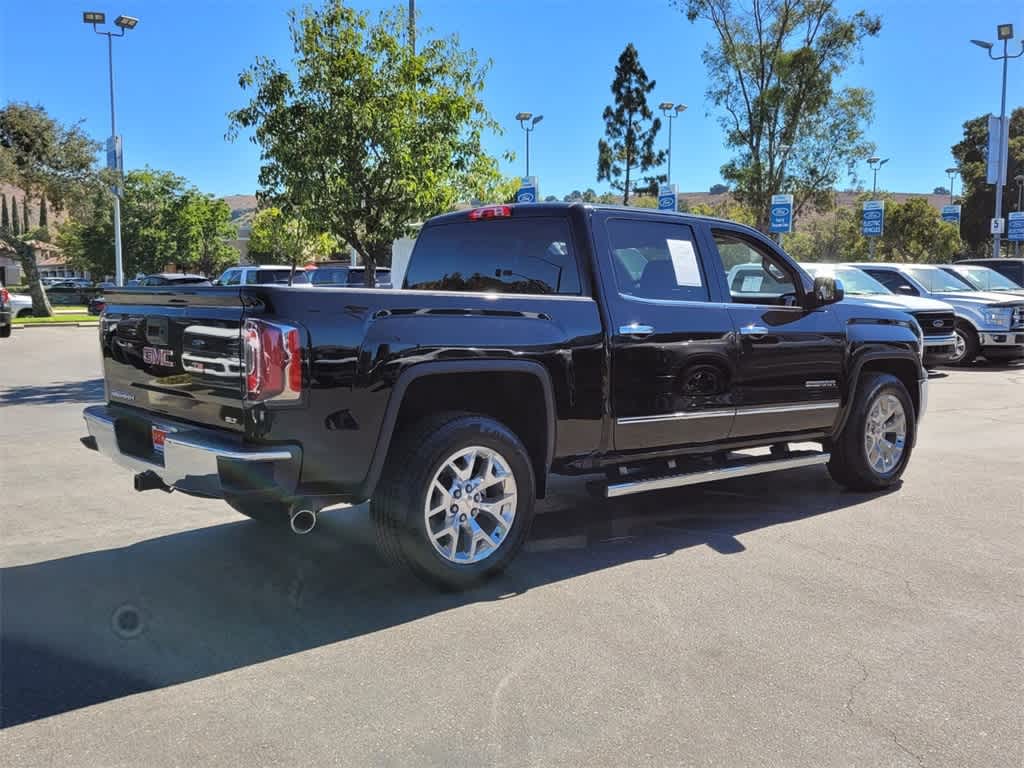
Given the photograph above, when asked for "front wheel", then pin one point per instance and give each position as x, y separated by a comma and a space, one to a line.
456, 499
965, 346
874, 447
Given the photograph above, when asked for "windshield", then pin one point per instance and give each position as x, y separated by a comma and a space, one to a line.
855, 282
937, 280
985, 279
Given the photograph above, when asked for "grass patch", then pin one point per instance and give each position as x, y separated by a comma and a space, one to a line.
76, 318
73, 309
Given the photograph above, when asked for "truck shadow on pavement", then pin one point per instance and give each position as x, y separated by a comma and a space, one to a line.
86, 391
102, 625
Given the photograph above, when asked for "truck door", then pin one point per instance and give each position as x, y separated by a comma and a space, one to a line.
672, 358
790, 358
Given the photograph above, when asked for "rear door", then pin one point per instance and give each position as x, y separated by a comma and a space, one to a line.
790, 358
672, 358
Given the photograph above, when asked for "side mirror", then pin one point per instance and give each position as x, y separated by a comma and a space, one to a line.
827, 290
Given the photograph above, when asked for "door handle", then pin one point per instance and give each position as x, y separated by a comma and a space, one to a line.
755, 332
636, 329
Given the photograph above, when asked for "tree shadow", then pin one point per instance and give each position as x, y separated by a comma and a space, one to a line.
87, 391
101, 625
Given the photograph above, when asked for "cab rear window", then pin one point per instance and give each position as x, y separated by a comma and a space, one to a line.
531, 255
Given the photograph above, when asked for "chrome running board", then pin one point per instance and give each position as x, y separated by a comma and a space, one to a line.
749, 466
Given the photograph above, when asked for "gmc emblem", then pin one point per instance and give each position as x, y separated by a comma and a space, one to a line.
154, 356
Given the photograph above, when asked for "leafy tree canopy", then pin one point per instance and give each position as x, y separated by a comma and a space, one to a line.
979, 197
277, 238
362, 137
627, 151
771, 70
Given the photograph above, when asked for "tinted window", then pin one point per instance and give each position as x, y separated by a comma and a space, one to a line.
754, 274
894, 281
656, 260
527, 255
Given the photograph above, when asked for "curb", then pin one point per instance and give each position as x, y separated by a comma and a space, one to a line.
71, 324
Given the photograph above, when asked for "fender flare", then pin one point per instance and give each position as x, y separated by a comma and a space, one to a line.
855, 378
436, 368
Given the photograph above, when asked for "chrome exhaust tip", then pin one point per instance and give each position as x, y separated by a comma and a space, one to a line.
302, 521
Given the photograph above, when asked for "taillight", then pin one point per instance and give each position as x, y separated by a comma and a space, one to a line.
273, 361
5, 297
490, 212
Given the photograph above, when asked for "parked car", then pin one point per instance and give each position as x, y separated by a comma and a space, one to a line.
172, 279
330, 274
984, 279
257, 275
5, 313
527, 340
1010, 267
21, 305
989, 324
936, 318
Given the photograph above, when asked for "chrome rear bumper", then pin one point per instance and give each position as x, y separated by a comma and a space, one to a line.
195, 460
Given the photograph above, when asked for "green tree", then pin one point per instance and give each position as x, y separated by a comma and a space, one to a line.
914, 231
772, 69
630, 130
280, 239
203, 229
589, 196
5, 219
368, 137
24, 216
41, 157
718, 189
15, 220
979, 197
940, 191
42, 211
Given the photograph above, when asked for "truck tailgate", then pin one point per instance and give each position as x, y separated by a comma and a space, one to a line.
176, 352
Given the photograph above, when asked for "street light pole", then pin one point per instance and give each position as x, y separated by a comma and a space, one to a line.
671, 112
1004, 32
123, 23
528, 123
952, 174
875, 163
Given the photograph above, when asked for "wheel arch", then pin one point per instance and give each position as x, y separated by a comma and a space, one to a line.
904, 366
530, 415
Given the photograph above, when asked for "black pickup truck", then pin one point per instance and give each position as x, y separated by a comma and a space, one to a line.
525, 341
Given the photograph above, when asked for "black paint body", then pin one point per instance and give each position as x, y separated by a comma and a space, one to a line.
696, 383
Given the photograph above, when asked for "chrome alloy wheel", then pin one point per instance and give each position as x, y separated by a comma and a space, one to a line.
885, 434
959, 346
470, 505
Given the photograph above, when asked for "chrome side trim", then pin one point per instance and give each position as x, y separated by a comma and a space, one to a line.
725, 473
677, 416
764, 410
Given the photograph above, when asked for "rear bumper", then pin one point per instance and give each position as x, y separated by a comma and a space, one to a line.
197, 461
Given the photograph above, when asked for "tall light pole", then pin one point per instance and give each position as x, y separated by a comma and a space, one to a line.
952, 174
1019, 178
528, 122
114, 157
1004, 32
875, 162
671, 112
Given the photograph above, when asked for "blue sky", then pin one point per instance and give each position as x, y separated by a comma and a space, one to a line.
177, 78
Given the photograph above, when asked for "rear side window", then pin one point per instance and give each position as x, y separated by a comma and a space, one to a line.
655, 260
529, 255
894, 281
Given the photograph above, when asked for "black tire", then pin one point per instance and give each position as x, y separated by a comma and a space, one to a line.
971, 346
849, 465
5, 331
397, 507
266, 511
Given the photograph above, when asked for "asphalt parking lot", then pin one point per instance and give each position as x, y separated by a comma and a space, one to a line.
767, 621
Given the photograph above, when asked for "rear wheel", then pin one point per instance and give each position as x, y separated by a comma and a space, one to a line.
965, 347
456, 499
874, 447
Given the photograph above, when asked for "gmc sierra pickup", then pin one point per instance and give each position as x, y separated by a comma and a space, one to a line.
526, 340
